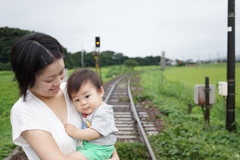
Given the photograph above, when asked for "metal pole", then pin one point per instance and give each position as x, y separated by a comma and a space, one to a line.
163, 61
96, 59
82, 57
99, 59
162, 65
207, 111
230, 108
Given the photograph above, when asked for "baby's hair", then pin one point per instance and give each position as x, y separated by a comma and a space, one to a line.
80, 77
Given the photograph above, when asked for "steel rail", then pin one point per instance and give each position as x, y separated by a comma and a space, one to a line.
106, 100
135, 114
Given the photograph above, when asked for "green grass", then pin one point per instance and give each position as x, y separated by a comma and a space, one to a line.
196, 74
193, 75
186, 136
171, 91
6, 76
8, 96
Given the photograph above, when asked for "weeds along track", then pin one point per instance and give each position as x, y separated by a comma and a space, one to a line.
132, 122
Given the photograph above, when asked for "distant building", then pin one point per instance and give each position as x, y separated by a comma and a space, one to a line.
190, 62
171, 62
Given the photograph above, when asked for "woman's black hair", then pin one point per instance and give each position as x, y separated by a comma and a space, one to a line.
31, 54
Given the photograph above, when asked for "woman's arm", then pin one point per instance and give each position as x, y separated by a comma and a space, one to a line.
44, 145
83, 134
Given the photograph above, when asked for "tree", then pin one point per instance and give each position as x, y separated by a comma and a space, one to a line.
131, 63
89, 60
7, 38
72, 60
106, 58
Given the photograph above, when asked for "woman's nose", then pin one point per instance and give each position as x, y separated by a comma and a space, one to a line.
58, 81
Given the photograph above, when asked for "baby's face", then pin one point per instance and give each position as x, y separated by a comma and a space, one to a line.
88, 98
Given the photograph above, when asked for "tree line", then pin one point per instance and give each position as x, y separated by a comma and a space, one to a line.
72, 60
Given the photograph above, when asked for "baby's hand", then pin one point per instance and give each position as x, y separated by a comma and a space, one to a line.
70, 129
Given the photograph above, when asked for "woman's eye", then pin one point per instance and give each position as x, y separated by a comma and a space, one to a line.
62, 75
49, 81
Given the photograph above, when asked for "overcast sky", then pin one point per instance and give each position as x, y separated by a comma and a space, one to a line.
184, 29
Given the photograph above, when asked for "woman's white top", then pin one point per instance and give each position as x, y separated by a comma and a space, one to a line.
34, 114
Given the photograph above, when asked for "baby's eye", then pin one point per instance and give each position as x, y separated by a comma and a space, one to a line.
87, 96
76, 100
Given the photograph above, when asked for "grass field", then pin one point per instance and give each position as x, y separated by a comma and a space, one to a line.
8, 96
186, 135
193, 75
186, 77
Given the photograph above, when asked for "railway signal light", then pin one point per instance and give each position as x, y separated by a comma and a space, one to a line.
97, 41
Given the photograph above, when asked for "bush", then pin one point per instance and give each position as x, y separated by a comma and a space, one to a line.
5, 66
131, 151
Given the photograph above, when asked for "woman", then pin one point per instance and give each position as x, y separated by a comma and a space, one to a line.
39, 116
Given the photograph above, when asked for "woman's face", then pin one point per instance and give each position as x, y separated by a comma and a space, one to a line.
48, 81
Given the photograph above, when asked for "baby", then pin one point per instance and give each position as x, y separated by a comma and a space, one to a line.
98, 133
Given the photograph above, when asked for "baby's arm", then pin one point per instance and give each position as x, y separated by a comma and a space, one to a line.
83, 134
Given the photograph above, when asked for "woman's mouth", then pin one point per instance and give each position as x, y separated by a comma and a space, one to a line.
55, 90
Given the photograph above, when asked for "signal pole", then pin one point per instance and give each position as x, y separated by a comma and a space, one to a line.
230, 108
97, 54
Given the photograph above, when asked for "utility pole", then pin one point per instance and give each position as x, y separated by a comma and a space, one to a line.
82, 56
230, 108
163, 61
207, 105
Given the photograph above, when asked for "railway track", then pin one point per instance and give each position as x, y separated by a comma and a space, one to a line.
132, 122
